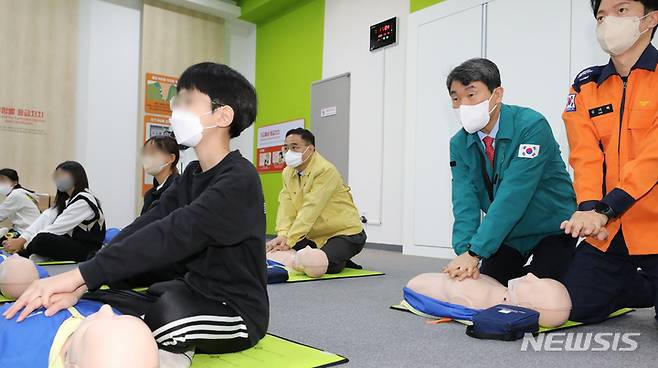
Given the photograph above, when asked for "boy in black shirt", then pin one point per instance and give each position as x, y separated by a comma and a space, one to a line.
211, 220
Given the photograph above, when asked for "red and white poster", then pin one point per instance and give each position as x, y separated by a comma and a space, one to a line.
269, 154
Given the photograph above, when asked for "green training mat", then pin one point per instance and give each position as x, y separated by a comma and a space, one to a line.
55, 263
272, 351
405, 307
570, 324
296, 276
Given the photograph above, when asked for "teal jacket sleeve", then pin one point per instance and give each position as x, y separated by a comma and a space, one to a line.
465, 204
518, 186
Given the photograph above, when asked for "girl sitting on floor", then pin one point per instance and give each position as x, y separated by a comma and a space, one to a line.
73, 229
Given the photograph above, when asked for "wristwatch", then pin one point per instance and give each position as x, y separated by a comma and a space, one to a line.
605, 209
473, 254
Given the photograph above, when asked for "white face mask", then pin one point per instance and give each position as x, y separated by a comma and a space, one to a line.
294, 159
475, 117
64, 184
187, 127
152, 166
618, 34
5, 189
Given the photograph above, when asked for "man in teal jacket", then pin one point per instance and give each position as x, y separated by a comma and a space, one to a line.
507, 164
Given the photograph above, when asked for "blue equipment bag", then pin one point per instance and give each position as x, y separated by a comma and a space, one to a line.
276, 272
504, 322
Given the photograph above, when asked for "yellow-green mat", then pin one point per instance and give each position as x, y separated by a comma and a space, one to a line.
296, 276
272, 351
405, 307
54, 263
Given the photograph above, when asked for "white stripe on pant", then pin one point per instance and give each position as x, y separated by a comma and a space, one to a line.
191, 328
194, 326
202, 318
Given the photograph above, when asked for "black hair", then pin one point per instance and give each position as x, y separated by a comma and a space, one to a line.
224, 86
475, 70
165, 143
306, 135
80, 183
649, 6
12, 175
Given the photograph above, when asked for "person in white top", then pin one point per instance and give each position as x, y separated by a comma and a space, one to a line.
19, 206
73, 229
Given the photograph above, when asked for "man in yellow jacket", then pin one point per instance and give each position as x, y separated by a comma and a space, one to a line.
315, 206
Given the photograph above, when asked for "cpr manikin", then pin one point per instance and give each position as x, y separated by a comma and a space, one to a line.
548, 297
101, 340
16, 274
107, 340
313, 262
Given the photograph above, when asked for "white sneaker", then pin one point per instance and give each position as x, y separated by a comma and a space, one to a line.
175, 360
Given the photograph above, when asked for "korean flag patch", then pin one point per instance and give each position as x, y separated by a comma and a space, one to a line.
571, 103
528, 150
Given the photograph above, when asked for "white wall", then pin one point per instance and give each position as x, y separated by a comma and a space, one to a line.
241, 55
376, 108
107, 98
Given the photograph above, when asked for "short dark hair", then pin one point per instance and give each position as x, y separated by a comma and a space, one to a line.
167, 144
224, 86
475, 70
649, 6
12, 175
306, 135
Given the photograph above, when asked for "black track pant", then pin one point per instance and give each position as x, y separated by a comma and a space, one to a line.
181, 318
60, 248
600, 283
339, 249
168, 273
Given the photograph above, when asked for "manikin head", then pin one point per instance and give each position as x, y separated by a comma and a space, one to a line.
547, 296
107, 340
16, 274
313, 262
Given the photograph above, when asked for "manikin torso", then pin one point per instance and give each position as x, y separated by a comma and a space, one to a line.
480, 293
285, 257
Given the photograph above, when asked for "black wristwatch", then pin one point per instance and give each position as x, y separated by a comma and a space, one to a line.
606, 210
473, 254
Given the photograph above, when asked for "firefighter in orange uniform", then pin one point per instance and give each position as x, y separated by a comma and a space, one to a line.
612, 125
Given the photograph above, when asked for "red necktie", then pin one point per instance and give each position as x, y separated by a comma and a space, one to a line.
489, 149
